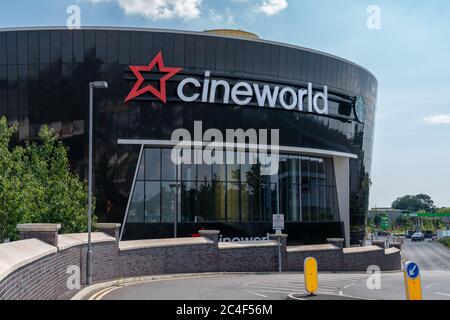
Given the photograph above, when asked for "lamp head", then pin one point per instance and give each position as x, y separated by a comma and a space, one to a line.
99, 84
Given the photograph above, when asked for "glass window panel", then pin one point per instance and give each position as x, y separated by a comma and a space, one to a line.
233, 200
294, 209
269, 198
188, 201
141, 172
204, 201
136, 212
152, 202
189, 172
168, 202
220, 172
152, 164
250, 202
204, 172
169, 169
218, 209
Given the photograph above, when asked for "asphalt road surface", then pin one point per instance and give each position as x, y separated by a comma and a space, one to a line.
432, 258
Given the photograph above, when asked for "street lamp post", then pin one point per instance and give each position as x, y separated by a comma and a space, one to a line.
92, 86
176, 189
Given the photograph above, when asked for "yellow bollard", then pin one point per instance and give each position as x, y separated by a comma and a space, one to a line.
413, 283
311, 275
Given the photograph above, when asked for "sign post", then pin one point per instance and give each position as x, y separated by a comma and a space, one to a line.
412, 281
278, 226
311, 275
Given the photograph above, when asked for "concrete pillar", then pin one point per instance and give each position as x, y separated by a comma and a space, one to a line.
212, 235
397, 245
112, 229
45, 232
338, 242
379, 243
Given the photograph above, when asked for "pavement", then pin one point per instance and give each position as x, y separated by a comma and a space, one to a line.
432, 258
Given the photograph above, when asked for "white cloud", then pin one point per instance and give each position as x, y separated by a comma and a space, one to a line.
160, 9
440, 119
214, 16
272, 7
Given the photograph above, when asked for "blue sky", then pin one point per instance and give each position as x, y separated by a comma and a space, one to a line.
409, 55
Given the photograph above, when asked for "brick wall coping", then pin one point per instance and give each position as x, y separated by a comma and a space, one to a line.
209, 232
108, 225
242, 245
38, 227
317, 247
391, 251
144, 244
362, 249
66, 241
15, 255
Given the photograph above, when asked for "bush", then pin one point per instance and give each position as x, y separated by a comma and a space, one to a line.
445, 242
37, 185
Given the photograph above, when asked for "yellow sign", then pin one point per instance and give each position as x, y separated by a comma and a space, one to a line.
412, 281
311, 275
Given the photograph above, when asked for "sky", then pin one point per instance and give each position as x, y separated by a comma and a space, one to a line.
404, 43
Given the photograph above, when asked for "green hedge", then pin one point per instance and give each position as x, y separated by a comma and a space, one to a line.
445, 242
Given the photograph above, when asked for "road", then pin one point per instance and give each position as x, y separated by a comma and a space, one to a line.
433, 259
430, 256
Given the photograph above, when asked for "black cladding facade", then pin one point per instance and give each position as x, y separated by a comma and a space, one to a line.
44, 76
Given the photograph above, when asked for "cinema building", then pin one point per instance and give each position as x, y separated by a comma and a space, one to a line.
164, 80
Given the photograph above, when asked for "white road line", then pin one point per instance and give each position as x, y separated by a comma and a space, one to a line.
443, 294
256, 294
349, 285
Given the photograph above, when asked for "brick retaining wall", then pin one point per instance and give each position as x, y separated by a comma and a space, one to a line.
45, 277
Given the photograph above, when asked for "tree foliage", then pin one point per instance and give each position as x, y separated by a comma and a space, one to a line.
37, 185
421, 202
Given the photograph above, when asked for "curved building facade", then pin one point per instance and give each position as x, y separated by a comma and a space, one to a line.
161, 81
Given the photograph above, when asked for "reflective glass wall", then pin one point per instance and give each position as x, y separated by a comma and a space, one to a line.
304, 190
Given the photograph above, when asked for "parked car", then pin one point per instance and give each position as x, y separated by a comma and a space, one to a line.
418, 236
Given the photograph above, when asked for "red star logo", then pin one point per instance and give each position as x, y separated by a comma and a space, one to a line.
161, 94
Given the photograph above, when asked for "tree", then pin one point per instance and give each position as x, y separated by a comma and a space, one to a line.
414, 203
37, 185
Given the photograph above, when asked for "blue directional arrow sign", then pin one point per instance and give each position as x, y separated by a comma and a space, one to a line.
412, 270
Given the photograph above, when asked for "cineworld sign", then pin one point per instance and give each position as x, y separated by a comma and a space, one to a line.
241, 93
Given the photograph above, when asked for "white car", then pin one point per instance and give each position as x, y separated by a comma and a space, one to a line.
418, 236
